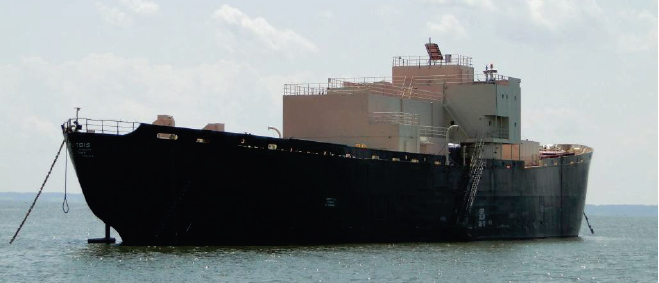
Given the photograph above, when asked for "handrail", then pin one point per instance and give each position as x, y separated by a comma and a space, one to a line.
388, 86
392, 86
409, 119
448, 59
86, 125
457, 78
432, 132
397, 86
305, 89
385, 88
336, 82
395, 118
498, 134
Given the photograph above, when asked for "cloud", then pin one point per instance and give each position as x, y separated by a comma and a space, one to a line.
547, 123
38, 95
448, 25
280, 40
545, 23
387, 11
327, 14
637, 42
557, 15
643, 37
110, 86
141, 6
111, 83
118, 17
113, 15
550, 23
470, 4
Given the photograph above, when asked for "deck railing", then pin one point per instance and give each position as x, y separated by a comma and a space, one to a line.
387, 86
339, 82
394, 87
402, 118
432, 132
395, 118
498, 134
448, 59
112, 127
453, 79
400, 86
305, 89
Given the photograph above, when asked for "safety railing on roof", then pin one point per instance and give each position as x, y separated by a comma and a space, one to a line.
388, 86
395, 118
403, 87
86, 125
448, 59
402, 118
498, 134
305, 89
385, 88
341, 82
490, 78
459, 78
432, 132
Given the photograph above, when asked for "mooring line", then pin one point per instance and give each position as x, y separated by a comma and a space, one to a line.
587, 222
38, 194
65, 202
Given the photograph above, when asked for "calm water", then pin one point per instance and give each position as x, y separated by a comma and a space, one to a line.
52, 247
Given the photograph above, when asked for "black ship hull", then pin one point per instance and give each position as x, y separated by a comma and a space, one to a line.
215, 188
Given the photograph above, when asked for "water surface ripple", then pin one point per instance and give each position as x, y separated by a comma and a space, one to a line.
52, 248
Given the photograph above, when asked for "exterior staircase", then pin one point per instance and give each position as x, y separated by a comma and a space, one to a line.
475, 173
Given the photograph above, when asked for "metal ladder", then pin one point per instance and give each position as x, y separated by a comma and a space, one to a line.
407, 89
475, 174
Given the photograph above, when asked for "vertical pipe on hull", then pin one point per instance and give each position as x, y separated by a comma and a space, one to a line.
106, 240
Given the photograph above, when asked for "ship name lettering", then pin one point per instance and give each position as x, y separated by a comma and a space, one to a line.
82, 144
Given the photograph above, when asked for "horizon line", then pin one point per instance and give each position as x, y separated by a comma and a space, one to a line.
1, 192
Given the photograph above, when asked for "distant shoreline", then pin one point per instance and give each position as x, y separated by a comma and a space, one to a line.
591, 209
45, 196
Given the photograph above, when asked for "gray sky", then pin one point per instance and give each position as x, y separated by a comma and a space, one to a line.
588, 69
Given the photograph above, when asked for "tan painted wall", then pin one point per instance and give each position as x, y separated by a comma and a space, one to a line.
509, 104
218, 127
510, 151
483, 107
464, 73
344, 118
469, 103
325, 116
164, 120
530, 152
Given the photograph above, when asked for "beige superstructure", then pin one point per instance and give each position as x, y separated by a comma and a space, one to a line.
412, 110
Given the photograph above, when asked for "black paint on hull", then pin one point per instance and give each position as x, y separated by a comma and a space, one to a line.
216, 188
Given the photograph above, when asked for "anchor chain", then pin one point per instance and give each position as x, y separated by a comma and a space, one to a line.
40, 190
65, 202
587, 222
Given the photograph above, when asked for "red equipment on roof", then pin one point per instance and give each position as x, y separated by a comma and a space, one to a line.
433, 51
